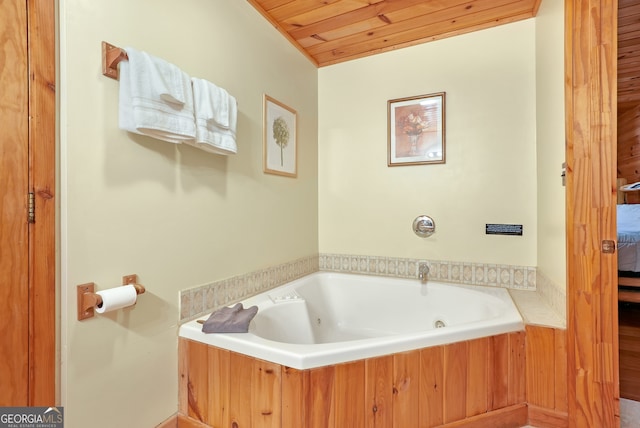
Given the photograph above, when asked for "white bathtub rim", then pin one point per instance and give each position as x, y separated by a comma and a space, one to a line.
301, 357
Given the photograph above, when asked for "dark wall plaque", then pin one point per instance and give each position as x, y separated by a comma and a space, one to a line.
503, 229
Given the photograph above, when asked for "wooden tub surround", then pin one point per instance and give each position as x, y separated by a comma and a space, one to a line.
475, 383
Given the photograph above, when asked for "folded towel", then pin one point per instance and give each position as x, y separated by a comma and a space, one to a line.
155, 98
234, 319
216, 114
174, 85
212, 102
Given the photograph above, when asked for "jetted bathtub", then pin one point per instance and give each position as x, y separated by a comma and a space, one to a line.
328, 318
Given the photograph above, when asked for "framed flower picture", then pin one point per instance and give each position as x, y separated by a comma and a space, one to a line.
416, 127
280, 152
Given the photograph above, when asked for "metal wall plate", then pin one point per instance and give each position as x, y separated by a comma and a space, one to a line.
424, 226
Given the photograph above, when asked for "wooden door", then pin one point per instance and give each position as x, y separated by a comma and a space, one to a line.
27, 248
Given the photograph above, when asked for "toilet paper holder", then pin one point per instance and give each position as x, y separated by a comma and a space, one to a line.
88, 300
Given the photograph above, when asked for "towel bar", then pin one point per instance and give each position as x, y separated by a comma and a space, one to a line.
111, 57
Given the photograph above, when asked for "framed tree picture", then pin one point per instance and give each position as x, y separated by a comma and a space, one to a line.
416, 127
280, 152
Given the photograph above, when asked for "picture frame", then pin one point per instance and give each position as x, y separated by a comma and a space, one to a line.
416, 130
280, 138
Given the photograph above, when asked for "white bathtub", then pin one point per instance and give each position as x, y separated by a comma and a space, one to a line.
330, 318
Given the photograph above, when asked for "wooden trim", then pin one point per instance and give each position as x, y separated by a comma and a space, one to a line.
590, 101
14, 230
512, 416
540, 417
626, 281
172, 422
183, 379
186, 422
536, 6
629, 296
42, 261
515, 415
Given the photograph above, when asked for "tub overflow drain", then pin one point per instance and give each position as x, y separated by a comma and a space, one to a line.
439, 324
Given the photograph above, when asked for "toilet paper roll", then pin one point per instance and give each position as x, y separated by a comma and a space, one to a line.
117, 298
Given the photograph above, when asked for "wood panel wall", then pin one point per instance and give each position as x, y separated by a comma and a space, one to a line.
547, 377
629, 150
628, 54
479, 382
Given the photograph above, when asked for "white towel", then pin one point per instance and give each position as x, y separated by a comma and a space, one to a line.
155, 98
216, 115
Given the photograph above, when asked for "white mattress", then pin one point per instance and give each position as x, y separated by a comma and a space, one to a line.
629, 237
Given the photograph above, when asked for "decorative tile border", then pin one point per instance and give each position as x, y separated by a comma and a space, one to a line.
202, 300
505, 276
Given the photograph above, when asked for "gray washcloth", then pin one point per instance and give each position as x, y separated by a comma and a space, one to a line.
230, 320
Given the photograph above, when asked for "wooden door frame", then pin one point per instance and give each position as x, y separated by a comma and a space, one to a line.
591, 127
42, 244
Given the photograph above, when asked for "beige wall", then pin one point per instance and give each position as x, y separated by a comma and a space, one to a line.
550, 141
175, 215
367, 208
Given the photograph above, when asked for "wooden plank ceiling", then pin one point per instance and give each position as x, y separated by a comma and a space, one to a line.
333, 31
628, 54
